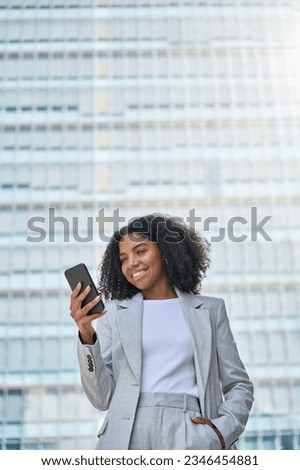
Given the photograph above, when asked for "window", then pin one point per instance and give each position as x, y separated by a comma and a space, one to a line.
33, 355
50, 354
259, 347
287, 442
277, 347
293, 345
3, 368
282, 401
15, 358
264, 399
6, 221
269, 442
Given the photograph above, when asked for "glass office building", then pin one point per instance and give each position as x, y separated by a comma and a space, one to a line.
111, 109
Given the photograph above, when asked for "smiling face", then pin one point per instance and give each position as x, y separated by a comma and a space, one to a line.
142, 266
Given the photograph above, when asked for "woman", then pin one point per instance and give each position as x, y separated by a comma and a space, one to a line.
163, 361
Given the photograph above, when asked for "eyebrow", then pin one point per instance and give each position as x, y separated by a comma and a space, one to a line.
136, 246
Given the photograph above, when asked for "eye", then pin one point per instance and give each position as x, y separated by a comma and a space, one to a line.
141, 251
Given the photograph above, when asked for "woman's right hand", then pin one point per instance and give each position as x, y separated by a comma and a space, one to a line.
79, 314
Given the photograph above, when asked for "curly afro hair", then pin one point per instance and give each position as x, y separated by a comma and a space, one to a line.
184, 251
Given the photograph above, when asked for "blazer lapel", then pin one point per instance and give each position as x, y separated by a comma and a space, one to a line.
129, 321
198, 321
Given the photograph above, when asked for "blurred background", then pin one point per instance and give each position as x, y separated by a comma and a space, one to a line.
119, 108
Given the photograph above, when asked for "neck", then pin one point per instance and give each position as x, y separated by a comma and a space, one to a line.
164, 292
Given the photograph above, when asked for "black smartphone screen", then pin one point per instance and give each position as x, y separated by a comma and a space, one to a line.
80, 273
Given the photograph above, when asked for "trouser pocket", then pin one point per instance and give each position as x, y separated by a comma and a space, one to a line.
200, 436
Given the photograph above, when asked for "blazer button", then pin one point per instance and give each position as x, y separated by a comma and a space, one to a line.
90, 363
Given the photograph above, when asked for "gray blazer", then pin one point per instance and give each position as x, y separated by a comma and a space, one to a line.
111, 368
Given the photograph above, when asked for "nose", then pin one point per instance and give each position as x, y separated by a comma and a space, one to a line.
132, 261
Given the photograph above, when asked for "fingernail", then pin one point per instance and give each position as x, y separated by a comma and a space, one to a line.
87, 288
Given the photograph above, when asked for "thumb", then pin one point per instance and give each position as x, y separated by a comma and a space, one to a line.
197, 420
201, 420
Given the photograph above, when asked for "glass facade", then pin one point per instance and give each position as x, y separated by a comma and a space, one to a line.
119, 108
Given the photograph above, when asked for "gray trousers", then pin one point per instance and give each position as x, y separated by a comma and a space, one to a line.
163, 422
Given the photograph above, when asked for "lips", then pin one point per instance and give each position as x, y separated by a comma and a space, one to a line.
138, 274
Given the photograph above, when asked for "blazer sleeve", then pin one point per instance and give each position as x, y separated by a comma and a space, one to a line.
237, 388
95, 363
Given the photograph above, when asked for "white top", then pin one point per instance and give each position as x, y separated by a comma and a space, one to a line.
168, 354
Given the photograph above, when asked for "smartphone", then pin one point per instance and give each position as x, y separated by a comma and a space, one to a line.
80, 273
